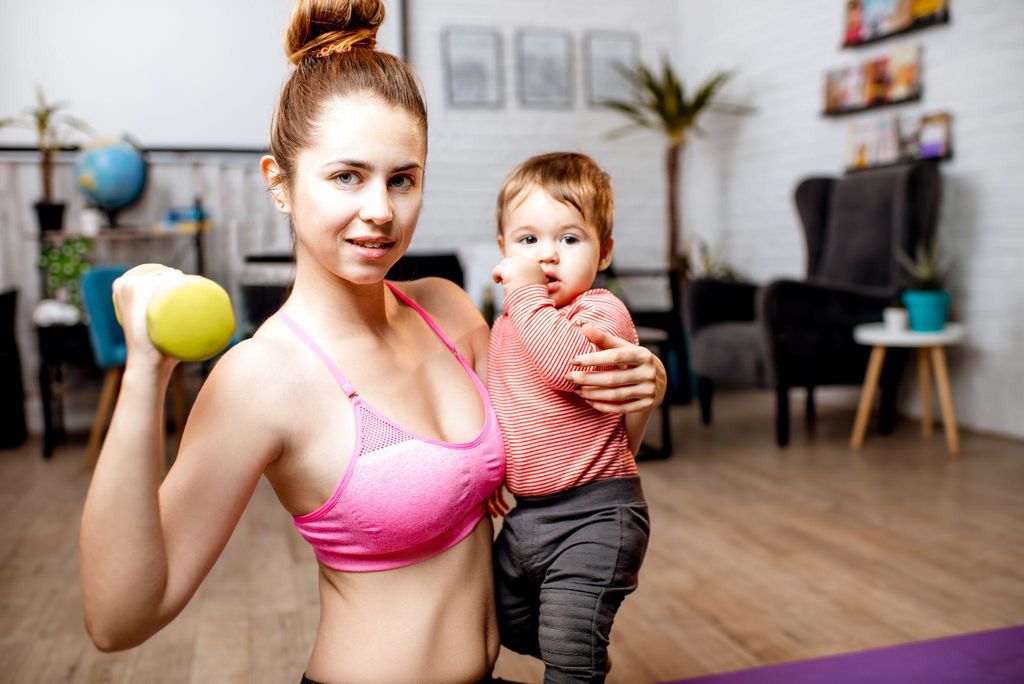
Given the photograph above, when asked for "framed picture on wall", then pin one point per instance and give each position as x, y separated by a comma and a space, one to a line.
472, 65
606, 53
545, 68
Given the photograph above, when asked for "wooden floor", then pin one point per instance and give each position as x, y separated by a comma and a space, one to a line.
758, 555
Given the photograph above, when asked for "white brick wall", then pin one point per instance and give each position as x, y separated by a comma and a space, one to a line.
472, 150
738, 180
738, 190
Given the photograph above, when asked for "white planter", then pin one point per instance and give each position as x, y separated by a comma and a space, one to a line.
895, 318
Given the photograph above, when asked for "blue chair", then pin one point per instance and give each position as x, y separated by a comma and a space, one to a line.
110, 352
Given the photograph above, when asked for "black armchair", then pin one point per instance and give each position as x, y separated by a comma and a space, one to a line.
799, 333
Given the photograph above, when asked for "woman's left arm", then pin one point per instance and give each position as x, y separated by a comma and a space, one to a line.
634, 388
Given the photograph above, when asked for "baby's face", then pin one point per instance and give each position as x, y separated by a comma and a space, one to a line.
557, 237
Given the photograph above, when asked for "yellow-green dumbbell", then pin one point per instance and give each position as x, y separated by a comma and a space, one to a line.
191, 320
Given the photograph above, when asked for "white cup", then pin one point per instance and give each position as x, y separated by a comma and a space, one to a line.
895, 318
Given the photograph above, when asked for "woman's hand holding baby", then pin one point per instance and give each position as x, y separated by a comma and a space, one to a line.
637, 382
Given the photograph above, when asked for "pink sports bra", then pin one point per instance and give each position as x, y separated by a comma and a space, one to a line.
404, 498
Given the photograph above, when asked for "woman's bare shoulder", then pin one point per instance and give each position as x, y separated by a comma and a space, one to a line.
455, 313
443, 300
255, 376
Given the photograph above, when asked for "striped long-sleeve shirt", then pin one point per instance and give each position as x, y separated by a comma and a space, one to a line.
554, 440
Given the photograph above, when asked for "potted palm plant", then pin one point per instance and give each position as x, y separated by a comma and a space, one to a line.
53, 128
661, 103
926, 301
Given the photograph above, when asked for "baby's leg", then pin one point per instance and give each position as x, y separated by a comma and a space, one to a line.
516, 589
595, 568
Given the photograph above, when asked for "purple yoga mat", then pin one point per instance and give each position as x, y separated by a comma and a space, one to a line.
995, 657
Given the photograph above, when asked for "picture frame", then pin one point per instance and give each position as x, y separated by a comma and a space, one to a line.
898, 139
884, 80
934, 136
473, 67
867, 21
605, 52
545, 60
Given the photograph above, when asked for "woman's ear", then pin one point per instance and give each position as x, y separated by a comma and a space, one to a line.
606, 254
275, 183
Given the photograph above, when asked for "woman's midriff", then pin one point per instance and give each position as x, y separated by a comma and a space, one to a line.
432, 621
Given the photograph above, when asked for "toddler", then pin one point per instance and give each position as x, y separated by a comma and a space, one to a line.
570, 550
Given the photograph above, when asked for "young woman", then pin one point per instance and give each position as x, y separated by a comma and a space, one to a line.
358, 401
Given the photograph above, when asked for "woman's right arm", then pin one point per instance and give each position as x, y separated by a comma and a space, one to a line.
145, 544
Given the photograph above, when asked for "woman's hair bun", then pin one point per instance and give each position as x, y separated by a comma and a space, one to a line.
322, 27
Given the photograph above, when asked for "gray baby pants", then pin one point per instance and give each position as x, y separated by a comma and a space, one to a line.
563, 563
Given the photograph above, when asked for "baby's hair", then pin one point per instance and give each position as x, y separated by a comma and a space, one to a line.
569, 177
332, 44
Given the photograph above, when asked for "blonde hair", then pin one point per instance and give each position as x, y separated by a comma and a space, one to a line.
569, 177
332, 44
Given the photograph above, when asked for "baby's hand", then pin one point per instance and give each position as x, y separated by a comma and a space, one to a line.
516, 271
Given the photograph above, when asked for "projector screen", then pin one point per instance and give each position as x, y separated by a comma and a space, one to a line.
175, 74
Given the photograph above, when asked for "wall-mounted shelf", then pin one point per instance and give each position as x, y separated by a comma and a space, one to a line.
871, 107
922, 23
858, 169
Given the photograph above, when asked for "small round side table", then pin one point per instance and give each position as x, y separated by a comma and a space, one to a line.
930, 354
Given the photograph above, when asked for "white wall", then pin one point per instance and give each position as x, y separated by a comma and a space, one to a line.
471, 151
178, 74
739, 181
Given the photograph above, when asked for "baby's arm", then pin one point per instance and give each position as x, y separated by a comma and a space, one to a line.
552, 337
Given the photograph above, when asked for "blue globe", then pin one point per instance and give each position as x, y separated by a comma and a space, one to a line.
111, 174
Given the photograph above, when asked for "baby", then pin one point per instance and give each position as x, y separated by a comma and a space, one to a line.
570, 551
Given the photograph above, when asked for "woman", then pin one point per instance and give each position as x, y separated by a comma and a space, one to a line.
357, 401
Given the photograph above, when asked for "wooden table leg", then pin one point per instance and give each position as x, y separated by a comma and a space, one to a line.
924, 373
867, 396
945, 400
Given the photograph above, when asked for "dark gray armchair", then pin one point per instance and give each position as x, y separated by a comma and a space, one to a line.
799, 333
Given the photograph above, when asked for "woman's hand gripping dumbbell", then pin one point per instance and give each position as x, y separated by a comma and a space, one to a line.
186, 317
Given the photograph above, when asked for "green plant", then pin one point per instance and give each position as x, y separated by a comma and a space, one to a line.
63, 265
53, 129
927, 270
660, 103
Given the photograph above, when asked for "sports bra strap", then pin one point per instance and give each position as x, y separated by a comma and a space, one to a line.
342, 381
423, 314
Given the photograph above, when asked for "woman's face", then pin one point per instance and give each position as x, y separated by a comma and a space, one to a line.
357, 188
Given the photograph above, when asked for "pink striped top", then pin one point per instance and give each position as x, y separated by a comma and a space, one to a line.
554, 440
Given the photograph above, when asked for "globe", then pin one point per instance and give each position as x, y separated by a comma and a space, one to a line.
111, 174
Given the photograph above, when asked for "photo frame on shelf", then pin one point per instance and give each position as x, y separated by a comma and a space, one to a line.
891, 140
884, 80
605, 54
546, 69
905, 72
935, 136
473, 67
867, 21
861, 145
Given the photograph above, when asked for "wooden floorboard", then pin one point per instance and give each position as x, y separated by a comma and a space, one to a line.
758, 555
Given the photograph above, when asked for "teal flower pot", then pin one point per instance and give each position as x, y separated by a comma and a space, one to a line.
927, 309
